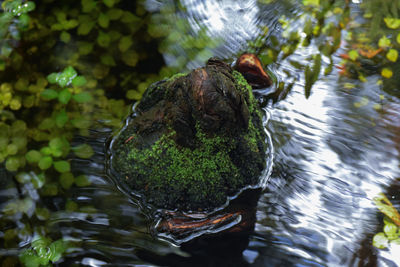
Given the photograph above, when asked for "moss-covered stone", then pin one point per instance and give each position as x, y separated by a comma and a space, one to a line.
196, 140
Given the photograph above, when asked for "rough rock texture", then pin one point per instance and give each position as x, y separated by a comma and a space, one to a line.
196, 139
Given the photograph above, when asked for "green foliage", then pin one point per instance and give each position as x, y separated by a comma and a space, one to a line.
43, 251
62, 166
311, 75
391, 232
13, 21
320, 25
82, 180
376, 42
84, 151
50, 93
392, 23
386, 207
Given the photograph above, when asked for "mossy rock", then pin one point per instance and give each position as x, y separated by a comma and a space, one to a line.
194, 140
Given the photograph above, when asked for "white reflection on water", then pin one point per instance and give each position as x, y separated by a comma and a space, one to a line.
234, 22
337, 202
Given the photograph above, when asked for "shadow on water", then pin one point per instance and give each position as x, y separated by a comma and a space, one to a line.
220, 249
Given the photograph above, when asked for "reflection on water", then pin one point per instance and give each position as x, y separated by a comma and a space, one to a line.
331, 158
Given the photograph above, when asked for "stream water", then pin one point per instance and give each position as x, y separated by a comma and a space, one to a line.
331, 158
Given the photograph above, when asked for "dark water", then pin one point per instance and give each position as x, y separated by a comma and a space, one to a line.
330, 159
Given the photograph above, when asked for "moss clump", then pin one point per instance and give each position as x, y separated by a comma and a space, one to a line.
197, 139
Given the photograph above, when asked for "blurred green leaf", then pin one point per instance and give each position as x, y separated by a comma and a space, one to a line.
114, 13
392, 23
66, 180
49, 94
109, 3
85, 48
12, 164
130, 58
125, 43
85, 27
133, 95
108, 60
70, 24
38, 180
79, 81
353, 55
390, 230
129, 18
61, 118
23, 21
84, 151
69, 72
57, 249
29, 6
380, 240
311, 75
62, 166
12, 149
45, 162
71, 206
64, 96
42, 213
384, 42
52, 78
82, 181
17, 7
88, 5
82, 97
386, 207
33, 156
392, 55
81, 123
42, 251
103, 39
30, 259
387, 73
45, 151
65, 36
311, 2
49, 189
59, 144
47, 123
103, 20
23, 177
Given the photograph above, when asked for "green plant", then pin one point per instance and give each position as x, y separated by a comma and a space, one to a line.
319, 25
391, 231
373, 48
43, 251
15, 16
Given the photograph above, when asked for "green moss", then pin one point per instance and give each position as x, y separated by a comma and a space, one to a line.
253, 135
251, 140
176, 76
199, 176
244, 87
175, 177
